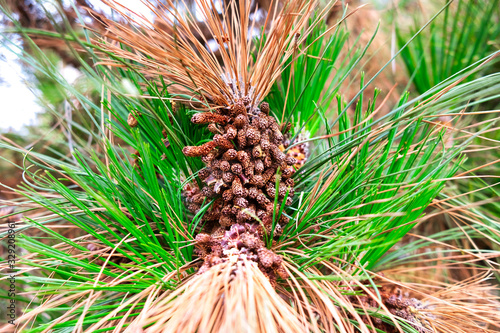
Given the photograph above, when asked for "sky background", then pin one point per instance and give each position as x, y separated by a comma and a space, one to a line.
18, 106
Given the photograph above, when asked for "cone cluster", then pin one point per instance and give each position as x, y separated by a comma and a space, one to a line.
246, 170
400, 305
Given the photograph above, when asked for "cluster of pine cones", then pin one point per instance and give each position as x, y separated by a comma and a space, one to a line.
246, 170
401, 305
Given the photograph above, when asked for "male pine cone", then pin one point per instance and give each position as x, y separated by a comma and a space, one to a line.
245, 170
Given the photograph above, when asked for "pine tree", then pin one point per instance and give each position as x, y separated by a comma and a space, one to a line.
215, 199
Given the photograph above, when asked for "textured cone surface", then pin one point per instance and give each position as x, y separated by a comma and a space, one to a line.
299, 148
245, 171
